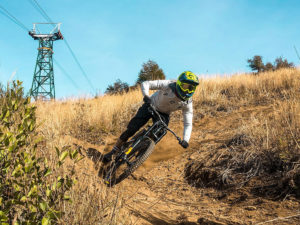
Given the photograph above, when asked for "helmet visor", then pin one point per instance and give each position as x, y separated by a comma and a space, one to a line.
186, 87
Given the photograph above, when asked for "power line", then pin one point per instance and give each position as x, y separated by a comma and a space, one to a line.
66, 74
19, 23
37, 6
297, 52
10, 16
79, 65
49, 19
44, 14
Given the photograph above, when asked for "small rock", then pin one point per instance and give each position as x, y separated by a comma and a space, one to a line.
204, 221
222, 109
250, 208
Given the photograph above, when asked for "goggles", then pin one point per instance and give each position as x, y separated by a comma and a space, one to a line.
186, 87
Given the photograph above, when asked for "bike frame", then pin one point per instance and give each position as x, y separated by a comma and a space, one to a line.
155, 132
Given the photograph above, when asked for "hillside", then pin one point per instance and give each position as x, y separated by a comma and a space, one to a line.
242, 167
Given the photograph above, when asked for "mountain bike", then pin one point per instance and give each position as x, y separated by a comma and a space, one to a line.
135, 151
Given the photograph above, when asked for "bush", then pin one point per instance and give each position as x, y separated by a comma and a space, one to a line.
150, 71
118, 87
29, 194
256, 64
282, 63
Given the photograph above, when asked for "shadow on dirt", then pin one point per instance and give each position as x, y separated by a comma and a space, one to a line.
180, 221
94, 155
157, 221
238, 163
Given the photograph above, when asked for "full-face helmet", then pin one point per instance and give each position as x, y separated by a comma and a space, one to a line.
186, 84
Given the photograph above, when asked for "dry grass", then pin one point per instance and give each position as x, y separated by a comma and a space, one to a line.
248, 89
263, 151
94, 120
90, 121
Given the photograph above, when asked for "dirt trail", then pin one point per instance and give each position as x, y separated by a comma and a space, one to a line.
158, 193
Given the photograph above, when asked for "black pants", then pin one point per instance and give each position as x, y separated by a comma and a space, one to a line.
142, 116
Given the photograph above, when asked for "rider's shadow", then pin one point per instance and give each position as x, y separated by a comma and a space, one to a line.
97, 158
94, 155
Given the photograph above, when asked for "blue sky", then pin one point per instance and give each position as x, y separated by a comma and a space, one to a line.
112, 39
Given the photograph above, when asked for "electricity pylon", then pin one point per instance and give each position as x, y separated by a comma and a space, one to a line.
43, 78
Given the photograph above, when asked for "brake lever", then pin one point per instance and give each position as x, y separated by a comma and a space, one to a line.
179, 140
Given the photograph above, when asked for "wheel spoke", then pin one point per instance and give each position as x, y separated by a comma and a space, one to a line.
126, 164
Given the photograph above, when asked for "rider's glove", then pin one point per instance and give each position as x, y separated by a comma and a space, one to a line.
147, 99
184, 144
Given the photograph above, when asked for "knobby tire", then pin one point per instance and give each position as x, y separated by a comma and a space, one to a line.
146, 147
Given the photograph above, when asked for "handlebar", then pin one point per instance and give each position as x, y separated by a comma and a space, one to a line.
165, 125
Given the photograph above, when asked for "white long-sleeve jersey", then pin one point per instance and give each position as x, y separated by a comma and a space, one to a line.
166, 101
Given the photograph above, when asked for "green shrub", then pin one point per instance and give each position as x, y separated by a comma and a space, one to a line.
29, 191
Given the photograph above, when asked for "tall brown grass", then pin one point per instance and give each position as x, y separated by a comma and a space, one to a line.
265, 145
90, 121
98, 120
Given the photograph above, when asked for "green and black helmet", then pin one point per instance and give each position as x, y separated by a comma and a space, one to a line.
186, 84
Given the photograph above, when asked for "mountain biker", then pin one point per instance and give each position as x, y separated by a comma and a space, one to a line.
171, 96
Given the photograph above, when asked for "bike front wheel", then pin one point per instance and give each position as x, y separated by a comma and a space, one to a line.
121, 168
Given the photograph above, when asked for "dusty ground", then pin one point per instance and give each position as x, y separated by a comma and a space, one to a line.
158, 194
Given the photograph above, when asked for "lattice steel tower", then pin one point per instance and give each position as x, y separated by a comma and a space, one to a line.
43, 78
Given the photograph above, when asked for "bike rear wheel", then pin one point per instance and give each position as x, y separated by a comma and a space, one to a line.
120, 169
